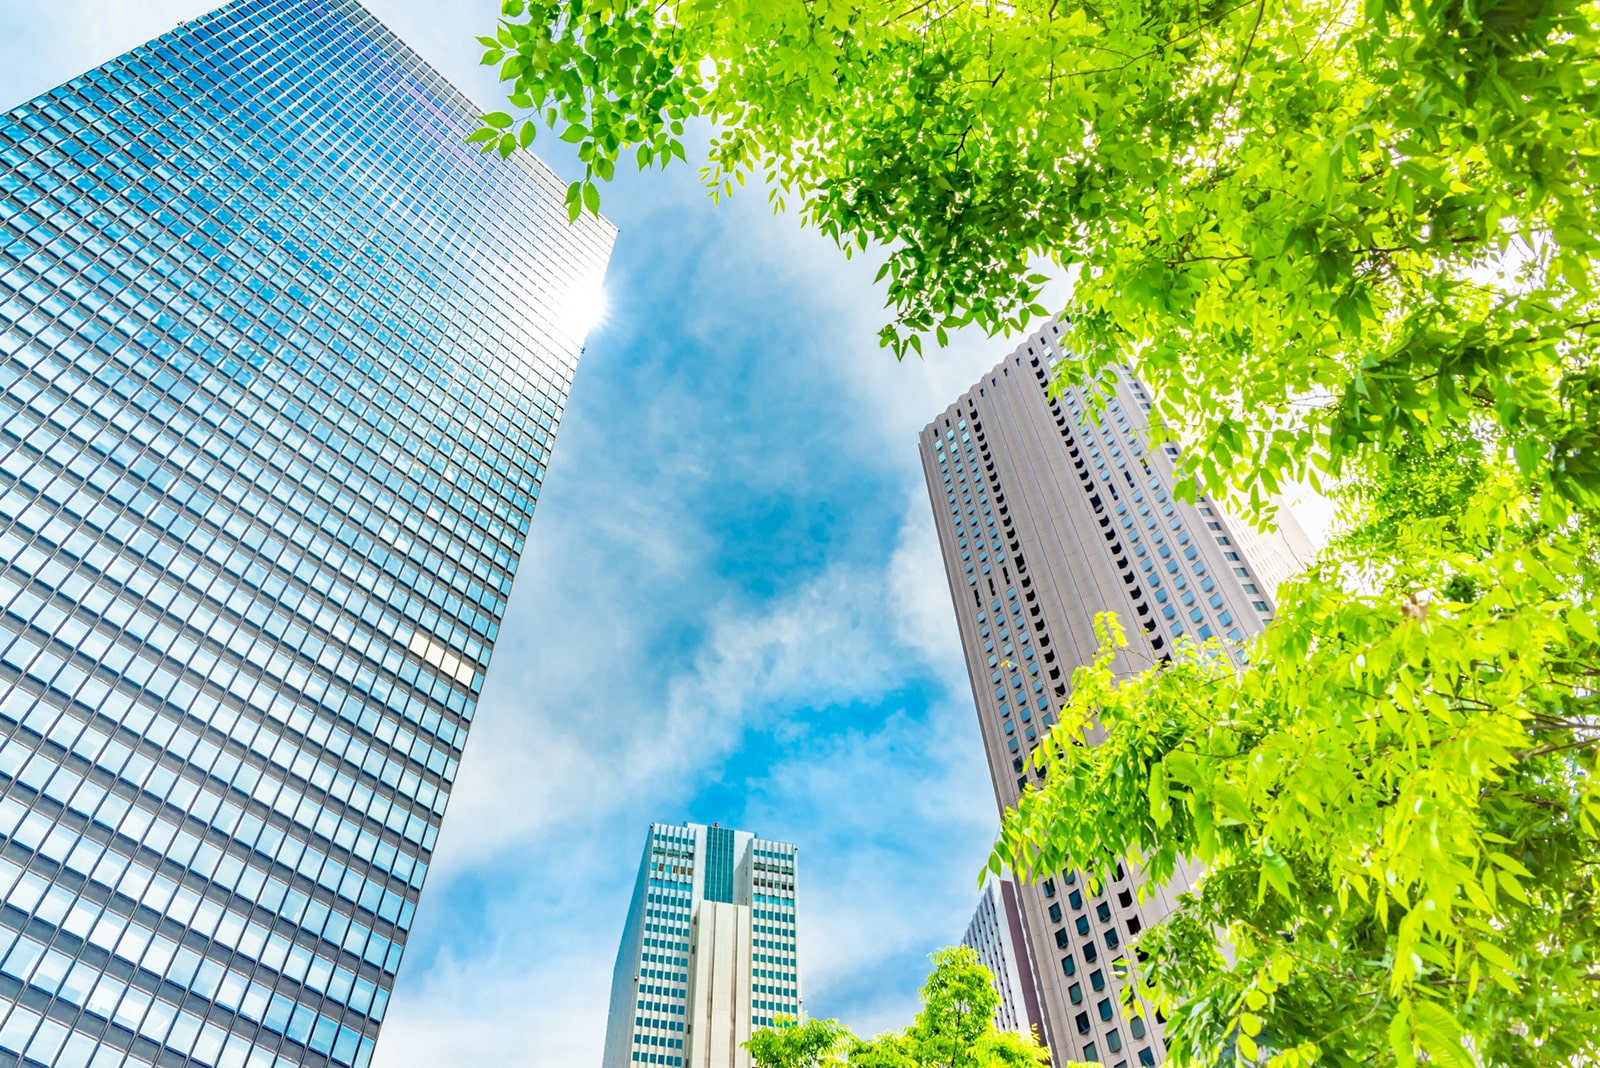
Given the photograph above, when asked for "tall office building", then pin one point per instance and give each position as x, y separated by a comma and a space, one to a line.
995, 934
282, 363
708, 952
1047, 518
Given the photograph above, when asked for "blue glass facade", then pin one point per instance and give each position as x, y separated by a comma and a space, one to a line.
719, 864
282, 363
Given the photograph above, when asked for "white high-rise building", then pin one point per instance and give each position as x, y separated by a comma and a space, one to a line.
995, 934
1047, 518
708, 952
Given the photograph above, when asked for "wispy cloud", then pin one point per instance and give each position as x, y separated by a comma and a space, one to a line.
567, 711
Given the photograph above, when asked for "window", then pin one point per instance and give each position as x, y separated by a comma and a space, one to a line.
1055, 912
1075, 992
1069, 966
1103, 911
1104, 1008
1083, 925
1081, 1021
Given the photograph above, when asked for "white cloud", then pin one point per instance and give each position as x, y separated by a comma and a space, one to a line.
921, 594
533, 759
513, 1008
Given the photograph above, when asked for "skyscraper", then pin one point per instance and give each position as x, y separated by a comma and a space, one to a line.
282, 364
1045, 519
708, 951
995, 934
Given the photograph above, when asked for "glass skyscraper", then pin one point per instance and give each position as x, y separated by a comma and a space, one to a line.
282, 364
709, 949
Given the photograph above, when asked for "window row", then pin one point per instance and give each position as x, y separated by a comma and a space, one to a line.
358, 834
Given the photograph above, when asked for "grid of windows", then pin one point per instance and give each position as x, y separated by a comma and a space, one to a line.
989, 934
718, 864
774, 967
277, 404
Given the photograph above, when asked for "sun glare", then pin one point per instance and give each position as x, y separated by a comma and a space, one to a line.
583, 309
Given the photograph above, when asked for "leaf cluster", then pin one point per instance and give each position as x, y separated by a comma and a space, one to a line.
1316, 228
1395, 803
954, 1029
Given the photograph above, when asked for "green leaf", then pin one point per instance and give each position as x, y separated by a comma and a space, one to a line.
1400, 1041
591, 197
498, 119
574, 201
1440, 1036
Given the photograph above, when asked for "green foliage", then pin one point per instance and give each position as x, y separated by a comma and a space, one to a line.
1314, 227
790, 1043
1347, 242
1396, 803
955, 1029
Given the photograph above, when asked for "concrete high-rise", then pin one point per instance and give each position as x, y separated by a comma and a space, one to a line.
1046, 518
995, 934
283, 360
708, 950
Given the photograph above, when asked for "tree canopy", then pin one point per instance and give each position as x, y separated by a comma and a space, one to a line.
954, 1029
1350, 243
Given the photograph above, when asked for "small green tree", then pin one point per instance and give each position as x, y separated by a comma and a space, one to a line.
789, 1043
955, 1029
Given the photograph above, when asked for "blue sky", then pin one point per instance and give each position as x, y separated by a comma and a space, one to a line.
730, 608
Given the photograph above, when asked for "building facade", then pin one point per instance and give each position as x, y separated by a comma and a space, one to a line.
283, 361
1047, 517
995, 934
708, 952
